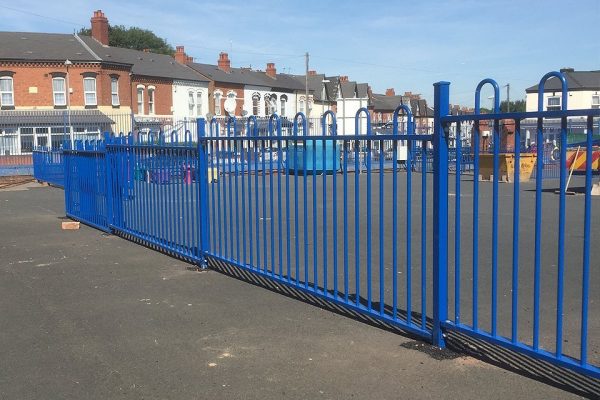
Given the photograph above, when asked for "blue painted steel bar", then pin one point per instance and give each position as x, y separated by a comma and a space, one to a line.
335, 224
457, 230
440, 213
561, 237
424, 234
515, 244
587, 221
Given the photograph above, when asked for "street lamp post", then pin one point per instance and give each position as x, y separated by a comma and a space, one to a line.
68, 63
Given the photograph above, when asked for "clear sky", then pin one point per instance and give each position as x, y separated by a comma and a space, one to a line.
400, 44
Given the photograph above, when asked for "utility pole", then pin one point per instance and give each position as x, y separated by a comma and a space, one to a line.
306, 87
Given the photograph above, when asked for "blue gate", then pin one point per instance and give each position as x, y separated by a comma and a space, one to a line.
48, 166
339, 217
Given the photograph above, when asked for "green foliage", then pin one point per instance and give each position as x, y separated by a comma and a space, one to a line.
134, 38
515, 106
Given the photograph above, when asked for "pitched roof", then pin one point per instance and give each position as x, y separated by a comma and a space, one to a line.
383, 103
54, 117
144, 63
43, 47
576, 80
247, 76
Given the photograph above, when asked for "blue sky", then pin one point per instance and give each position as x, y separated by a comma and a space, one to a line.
399, 44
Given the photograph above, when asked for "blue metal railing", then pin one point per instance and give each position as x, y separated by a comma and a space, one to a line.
537, 344
48, 166
339, 217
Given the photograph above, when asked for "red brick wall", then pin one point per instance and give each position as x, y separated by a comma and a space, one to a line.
163, 94
39, 75
225, 88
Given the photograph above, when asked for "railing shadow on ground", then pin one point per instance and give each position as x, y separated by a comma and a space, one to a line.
458, 345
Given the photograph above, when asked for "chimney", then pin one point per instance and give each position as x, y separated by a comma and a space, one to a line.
312, 72
100, 27
390, 92
271, 71
181, 57
224, 63
344, 78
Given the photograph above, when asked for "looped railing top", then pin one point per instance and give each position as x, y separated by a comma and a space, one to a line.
496, 95
274, 117
298, 116
214, 127
174, 136
231, 119
333, 123
357, 120
564, 90
254, 130
189, 138
409, 119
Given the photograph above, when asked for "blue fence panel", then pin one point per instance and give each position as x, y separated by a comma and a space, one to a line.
535, 298
48, 166
154, 193
86, 183
307, 221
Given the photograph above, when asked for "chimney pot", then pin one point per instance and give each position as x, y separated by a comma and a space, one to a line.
224, 63
312, 72
344, 78
100, 27
390, 92
271, 71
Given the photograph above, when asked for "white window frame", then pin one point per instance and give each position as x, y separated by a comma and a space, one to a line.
151, 100
553, 107
301, 104
140, 99
57, 92
199, 104
191, 103
218, 95
90, 92
114, 91
595, 101
4, 92
282, 104
255, 103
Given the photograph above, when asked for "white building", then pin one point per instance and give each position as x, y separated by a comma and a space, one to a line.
583, 91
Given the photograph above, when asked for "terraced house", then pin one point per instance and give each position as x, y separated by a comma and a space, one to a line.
57, 86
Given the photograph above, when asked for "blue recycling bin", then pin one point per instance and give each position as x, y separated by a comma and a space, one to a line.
301, 157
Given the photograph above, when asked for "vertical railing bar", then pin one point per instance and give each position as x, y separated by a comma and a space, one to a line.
585, 290
496, 169
515, 244
561, 237
457, 231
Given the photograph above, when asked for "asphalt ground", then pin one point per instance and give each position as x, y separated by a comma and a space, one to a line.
90, 315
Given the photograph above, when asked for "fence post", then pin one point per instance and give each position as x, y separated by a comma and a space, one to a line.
440, 212
108, 181
202, 179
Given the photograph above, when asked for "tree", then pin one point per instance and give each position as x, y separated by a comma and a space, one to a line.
134, 38
515, 106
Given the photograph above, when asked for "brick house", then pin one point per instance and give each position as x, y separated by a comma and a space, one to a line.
383, 106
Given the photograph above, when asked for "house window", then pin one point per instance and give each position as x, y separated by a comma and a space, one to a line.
595, 101
218, 96
270, 104
114, 90
191, 103
301, 104
140, 99
151, 100
282, 102
89, 91
7, 97
59, 91
255, 101
198, 104
553, 103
